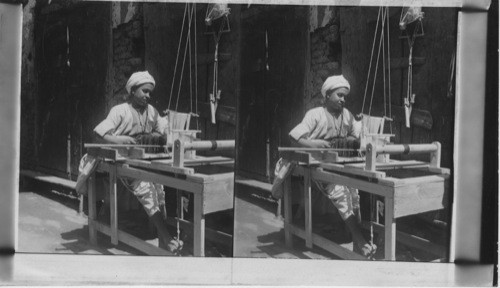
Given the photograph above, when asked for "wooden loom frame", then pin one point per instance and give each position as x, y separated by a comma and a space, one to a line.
211, 193
402, 197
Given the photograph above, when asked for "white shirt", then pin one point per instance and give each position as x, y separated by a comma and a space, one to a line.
318, 123
123, 119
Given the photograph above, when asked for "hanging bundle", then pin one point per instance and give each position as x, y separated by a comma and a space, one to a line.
214, 12
410, 16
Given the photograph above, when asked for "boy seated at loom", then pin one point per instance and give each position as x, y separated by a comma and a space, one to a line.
319, 127
125, 124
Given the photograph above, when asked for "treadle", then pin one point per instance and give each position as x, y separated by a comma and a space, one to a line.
254, 183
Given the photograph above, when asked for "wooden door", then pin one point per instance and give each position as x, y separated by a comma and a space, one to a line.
273, 70
72, 57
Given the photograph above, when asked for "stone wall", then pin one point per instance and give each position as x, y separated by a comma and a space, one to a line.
325, 51
128, 48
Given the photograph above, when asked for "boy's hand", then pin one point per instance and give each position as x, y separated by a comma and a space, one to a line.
120, 139
319, 143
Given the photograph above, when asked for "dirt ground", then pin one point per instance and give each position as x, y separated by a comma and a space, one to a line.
49, 222
259, 232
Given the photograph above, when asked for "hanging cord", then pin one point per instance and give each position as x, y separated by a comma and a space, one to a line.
371, 60
389, 70
177, 57
190, 68
188, 36
383, 68
196, 70
376, 65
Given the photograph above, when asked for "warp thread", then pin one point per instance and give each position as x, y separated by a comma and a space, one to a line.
152, 139
346, 143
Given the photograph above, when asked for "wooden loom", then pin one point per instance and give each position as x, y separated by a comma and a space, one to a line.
407, 187
209, 179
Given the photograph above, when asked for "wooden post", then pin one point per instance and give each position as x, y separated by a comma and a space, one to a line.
308, 208
92, 209
113, 205
199, 226
371, 157
80, 204
178, 153
436, 156
287, 196
390, 230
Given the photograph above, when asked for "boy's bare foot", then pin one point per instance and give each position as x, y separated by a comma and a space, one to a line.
368, 250
174, 246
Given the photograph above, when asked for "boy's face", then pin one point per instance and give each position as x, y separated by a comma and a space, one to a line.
141, 95
335, 99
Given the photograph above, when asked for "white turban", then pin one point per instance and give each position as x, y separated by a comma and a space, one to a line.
334, 82
139, 78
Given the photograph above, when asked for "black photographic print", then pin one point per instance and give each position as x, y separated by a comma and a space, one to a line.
249, 142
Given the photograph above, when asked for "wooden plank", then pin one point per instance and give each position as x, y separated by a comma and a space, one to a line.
199, 227
391, 165
218, 195
353, 170
131, 240
160, 179
372, 187
418, 198
103, 153
113, 205
224, 114
161, 166
400, 63
301, 157
326, 244
214, 235
92, 209
253, 183
390, 230
419, 118
48, 178
395, 182
207, 160
411, 240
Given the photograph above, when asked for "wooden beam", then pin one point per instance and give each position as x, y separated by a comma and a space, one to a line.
326, 244
419, 118
253, 183
224, 114
103, 152
130, 240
